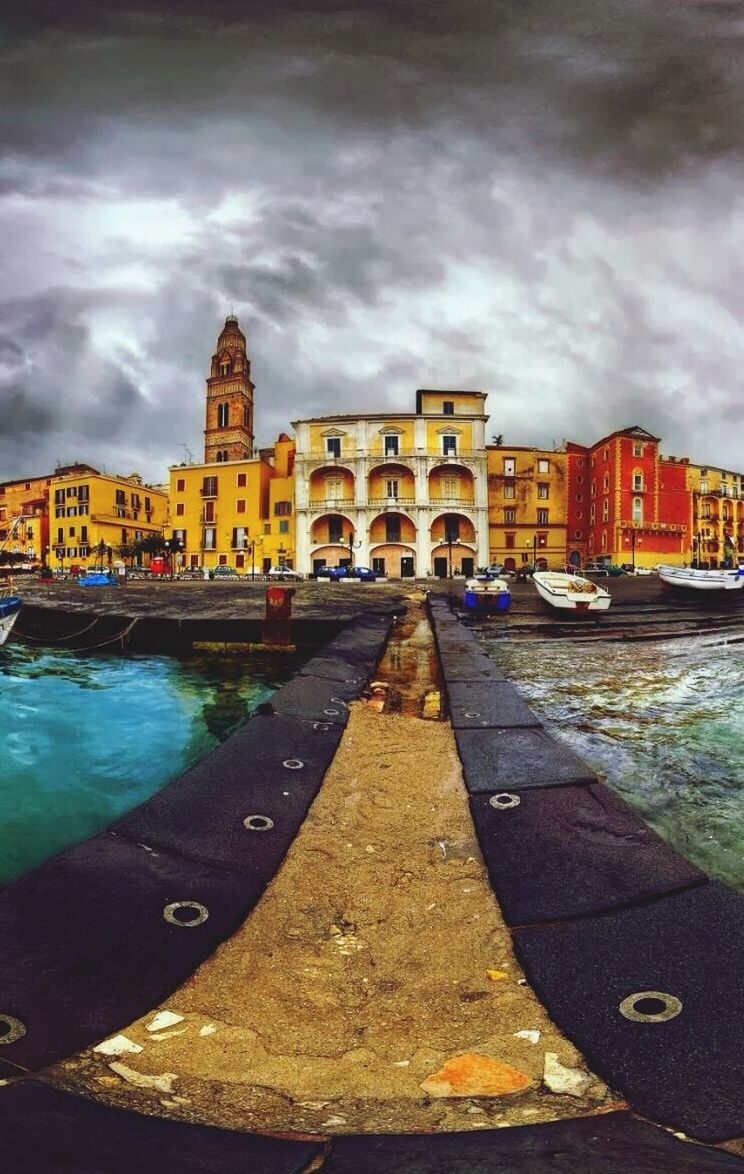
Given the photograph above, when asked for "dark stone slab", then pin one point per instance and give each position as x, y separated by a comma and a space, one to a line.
49, 1132
482, 704
468, 665
686, 1071
88, 942
557, 852
613, 1144
201, 813
339, 667
316, 699
495, 760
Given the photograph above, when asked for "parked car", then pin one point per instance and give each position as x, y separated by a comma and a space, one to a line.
595, 569
282, 574
333, 573
366, 574
225, 572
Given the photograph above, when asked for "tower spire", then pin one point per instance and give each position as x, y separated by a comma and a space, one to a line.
228, 435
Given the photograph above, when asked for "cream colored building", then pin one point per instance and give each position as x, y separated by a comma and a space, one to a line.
405, 494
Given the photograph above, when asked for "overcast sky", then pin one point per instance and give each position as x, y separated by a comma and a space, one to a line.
540, 199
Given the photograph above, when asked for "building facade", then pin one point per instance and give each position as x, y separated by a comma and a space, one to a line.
526, 507
24, 519
405, 494
228, 434
716, 514
89, 510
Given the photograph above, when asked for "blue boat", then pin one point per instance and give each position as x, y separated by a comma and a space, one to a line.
10, 605
99, 579
487, 593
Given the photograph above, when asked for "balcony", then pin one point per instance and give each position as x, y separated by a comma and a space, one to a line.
209, 491
392, 503
335, 505
452, 502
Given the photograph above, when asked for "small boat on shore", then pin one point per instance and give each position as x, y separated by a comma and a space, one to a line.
696, 579
485, 593
99, 579
10, 606
571, 592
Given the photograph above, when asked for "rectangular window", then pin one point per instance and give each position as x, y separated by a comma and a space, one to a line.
82, 510
83, 533
335, 529
637, 482
267, 528
509, 541
333, 446
391, 446
83, 492
241, 480
136, 501
284, 526
223, 560
180, 485
510, 467
210, 538
509, 490
451, 529
121, 497
510, 517
282, 509
72, 531
72, 551
239, 561
637, 450
59, 512
605, 511
240, 506
392, 489
449, 446
542, 517
392, 529
542, 491
209, 487
448, 407
83, 551
72, 490
60, 534
450, 487
239, 538
180, 507
148, 505
209, 511
543, 466
72, 511
378, 566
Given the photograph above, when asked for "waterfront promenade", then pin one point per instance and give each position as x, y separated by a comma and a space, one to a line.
374, 994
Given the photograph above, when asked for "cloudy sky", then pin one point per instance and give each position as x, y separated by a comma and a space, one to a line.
543, 200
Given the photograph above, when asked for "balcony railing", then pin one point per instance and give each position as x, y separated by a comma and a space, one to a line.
457, 502
315, 458
392, 503
205, 492
334, 504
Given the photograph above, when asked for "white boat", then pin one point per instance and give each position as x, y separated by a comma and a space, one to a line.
695, 578
10, 606
571, 592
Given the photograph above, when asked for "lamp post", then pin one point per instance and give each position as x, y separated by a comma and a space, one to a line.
254, 542
633, 539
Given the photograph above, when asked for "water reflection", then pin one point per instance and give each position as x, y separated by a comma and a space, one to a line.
662, 723
86, 738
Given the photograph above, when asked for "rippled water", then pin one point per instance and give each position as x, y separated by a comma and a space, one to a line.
662, 723
83, 739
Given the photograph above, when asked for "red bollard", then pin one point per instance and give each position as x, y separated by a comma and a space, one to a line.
277, 626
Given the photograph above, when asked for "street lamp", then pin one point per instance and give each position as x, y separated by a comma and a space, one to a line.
352, 547
172, 546
633, 539
254, 542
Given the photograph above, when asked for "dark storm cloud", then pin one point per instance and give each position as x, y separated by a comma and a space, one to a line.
531, 198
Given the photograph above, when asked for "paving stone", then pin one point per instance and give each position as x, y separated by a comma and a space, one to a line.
339, 667
88, 942
482, 704
201, 813
49, 1132
467, 665
512, 759
562, 852
316, 699
685, 1071
616, 1143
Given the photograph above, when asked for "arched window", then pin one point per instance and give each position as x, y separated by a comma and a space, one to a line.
637, 509
224, 367
223, 415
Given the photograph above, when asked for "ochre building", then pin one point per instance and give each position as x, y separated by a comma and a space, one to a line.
526, 507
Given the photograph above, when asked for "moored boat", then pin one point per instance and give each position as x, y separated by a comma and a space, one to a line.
697, 579
485, 593
571, 592
10, 606
99, 579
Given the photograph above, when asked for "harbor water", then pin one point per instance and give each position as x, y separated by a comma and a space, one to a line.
661, 722
85, 739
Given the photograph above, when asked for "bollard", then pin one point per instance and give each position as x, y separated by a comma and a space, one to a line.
277, 625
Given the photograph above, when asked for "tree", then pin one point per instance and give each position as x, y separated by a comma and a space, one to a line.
497, 440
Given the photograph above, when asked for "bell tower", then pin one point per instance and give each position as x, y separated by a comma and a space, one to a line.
228, 435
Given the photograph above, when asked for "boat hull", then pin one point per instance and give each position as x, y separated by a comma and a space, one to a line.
693, 579
487, 600
570, 592
10, 607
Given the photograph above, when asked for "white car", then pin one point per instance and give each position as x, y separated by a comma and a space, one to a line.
282, 574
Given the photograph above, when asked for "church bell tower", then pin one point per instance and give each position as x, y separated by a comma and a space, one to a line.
228, 435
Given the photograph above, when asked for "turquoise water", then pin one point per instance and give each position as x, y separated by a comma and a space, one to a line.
662, 723
84, 739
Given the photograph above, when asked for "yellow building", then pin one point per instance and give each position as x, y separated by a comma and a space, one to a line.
24, 518
88, 508
716, 520
526, 507
236, 509
402, 493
